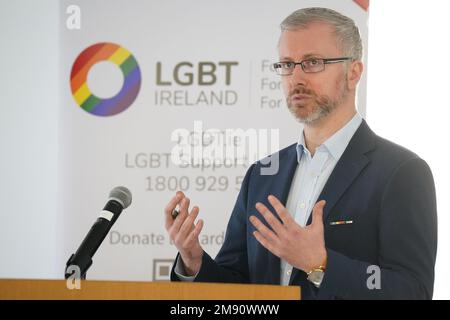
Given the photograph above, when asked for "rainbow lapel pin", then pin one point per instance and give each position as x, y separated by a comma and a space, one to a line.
338, 223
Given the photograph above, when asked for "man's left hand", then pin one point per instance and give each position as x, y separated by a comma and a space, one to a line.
301, 247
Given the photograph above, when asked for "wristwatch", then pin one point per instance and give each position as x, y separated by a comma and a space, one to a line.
316, 275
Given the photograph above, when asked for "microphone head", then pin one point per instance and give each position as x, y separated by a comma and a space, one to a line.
121, 195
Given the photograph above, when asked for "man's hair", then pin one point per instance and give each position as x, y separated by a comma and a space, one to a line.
346, 31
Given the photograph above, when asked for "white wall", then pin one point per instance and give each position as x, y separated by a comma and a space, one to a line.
408, 91
28, 138
407, 103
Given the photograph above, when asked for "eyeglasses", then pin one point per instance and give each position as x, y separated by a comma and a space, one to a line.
286, 68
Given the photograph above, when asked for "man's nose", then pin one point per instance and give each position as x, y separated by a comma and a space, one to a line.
298, 76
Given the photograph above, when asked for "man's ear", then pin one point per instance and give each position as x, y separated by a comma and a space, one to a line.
354, 74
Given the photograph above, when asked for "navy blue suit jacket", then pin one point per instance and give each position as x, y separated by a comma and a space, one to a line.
387, 191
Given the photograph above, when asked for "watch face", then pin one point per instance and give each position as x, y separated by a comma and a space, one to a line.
316, 277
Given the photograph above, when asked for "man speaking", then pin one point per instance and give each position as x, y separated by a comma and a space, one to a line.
348, 215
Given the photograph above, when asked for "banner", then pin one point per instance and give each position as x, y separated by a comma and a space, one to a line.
137, 77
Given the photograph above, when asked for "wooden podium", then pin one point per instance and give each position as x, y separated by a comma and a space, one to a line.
125, 290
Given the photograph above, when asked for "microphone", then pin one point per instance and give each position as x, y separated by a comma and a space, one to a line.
119, 199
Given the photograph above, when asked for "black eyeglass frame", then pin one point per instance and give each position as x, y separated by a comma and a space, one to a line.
275, 66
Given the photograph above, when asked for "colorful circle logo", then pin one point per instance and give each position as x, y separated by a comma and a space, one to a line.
124, 60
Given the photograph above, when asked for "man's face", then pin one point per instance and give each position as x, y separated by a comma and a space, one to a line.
312, 96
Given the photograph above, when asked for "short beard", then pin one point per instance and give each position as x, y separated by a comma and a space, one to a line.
324, 105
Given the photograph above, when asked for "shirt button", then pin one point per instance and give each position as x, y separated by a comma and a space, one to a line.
288, 272
302, 205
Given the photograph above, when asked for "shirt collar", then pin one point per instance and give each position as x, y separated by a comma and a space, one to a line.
337, 143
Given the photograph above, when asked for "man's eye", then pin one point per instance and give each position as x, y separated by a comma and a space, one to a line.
314, 62
287, 65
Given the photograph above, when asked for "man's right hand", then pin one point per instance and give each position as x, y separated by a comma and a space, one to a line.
184, 233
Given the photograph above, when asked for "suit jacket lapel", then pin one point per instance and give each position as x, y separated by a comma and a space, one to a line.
280, 186
283, 180
348, 168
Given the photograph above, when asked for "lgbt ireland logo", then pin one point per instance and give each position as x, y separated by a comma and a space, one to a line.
124, 60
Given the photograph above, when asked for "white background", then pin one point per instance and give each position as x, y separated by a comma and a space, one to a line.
407, 103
